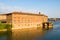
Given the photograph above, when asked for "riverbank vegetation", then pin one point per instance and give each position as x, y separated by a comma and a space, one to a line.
5, 26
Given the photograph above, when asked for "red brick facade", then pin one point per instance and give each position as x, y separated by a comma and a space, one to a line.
26, 20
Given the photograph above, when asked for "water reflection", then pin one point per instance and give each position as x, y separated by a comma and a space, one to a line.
22, 34
5, 35
27, 34
33, 34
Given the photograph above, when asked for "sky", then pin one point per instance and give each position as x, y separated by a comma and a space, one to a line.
51, 8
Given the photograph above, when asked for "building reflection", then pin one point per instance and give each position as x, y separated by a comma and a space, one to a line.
9, 35
5, 35
27, 34
22, 34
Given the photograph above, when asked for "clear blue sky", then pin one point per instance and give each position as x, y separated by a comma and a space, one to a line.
47, 7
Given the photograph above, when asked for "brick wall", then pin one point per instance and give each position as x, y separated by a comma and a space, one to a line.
20, 20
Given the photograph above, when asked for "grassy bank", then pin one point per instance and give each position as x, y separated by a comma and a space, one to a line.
4, 26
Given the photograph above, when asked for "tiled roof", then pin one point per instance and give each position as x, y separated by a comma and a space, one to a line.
26, 13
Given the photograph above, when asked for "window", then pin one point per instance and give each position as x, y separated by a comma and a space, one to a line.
18, 25
14, 21
18, 17
18, 21
14, 17
28, 24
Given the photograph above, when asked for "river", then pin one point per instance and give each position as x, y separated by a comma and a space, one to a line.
33, 34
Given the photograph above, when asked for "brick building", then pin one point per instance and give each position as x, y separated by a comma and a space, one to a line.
25, 20
2, 18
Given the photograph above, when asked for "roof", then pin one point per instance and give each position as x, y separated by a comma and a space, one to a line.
26, 13
2, 14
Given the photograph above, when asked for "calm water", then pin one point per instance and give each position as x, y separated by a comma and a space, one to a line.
32, 34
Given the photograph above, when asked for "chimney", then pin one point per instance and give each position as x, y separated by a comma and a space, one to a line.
39, 13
